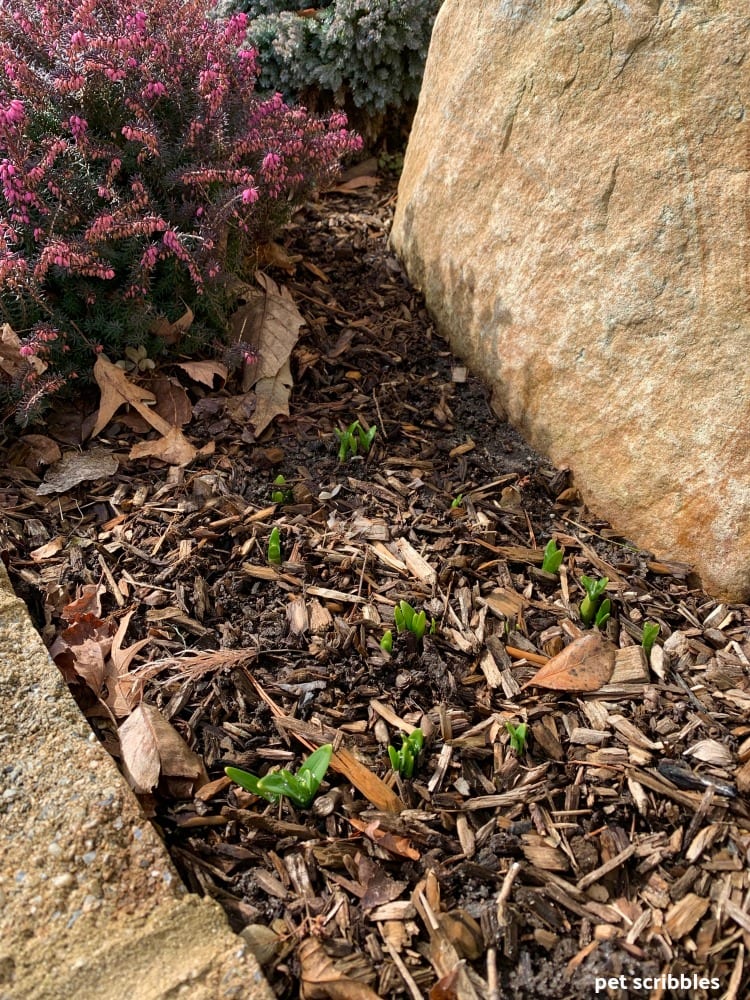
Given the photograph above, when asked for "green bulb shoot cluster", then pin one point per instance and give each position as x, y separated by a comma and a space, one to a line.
281, 494
650, 632
405, 760
407, 620
517, 737
553, 557
300, 788
594, 610
274, 547
354, 440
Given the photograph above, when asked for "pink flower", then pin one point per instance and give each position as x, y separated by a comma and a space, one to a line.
14, 114
78, 126
249, 195
270, 162
153, 90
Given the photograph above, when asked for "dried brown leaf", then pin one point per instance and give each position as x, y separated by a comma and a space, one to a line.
400, 846
585, 665
123, 688
269, 324
152, 748
322, 980
272, 398
12, 362
117, 390
171, 333
33, 451
87, 603
173, 447
172, 403
205, 372
48, 550
89, 662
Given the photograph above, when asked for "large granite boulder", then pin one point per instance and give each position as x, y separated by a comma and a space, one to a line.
575, 205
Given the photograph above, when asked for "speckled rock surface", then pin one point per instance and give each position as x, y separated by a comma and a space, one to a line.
90, 905
574, 206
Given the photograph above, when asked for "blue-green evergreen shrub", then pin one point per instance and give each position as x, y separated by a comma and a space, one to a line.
369, 53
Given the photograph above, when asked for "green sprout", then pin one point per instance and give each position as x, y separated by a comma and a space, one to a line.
354, 439
553, 557
517, 737
650, 632
300, 787
274, 547
282, 494
405, 760
594, 610
407, 620
386, 643
457, 501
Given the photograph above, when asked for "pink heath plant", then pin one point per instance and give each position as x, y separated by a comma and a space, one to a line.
138, 171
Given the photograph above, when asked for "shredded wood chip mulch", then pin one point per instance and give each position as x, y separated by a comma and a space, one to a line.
614, 843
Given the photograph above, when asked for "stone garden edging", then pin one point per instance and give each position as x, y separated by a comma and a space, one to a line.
91, 907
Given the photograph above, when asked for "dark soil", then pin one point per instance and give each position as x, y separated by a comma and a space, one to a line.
614, 844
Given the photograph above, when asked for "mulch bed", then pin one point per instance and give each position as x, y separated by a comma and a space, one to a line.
614, 846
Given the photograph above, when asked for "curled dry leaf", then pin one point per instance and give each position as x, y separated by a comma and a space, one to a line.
12, 362
34, 451
48, 550
152, 748
205, 372
123, 688
322, 980
88, 602
269, 325
392, 842
585, 665
171, 333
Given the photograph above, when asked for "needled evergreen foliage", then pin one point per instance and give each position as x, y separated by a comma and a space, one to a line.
370, 51
138, 168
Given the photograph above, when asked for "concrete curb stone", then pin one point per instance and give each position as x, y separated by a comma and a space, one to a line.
91, 907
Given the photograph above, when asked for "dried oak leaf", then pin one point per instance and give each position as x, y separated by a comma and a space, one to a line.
172, 403
81, 650
123, 688
585, 665
117, 390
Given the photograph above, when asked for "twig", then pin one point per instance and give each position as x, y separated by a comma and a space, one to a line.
502, 896
405, 974
493, 992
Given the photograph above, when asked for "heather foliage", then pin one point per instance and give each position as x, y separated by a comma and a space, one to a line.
137, 170
372, 51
